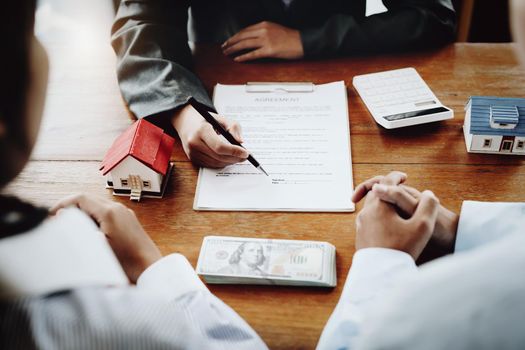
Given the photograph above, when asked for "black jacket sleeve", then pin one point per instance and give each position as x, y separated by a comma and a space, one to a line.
153, 57
408, 25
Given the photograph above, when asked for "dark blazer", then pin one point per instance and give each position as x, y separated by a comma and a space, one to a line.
150, 37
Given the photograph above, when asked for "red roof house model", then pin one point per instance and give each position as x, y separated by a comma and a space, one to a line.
143, 141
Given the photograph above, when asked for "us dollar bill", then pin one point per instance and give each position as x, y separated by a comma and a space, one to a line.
240, 260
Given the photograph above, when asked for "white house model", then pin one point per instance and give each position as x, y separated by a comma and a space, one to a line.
138, 162
495, 125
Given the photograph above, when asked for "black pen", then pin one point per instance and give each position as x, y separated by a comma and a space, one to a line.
203, 110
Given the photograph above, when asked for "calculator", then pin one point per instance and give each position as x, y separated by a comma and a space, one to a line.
399, 98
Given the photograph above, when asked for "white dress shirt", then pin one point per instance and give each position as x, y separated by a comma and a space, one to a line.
169, 308
473, 299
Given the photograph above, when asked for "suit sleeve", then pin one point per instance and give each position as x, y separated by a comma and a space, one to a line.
154, 60
407, 25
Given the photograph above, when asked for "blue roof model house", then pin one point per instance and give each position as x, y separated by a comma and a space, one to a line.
495, 125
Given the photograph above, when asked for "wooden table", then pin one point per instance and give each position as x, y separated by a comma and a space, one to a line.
85, 113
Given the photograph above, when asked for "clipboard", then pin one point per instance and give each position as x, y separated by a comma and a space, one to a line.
301, 132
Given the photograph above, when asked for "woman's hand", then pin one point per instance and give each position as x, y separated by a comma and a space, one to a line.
131, 244
264, 40
201, 143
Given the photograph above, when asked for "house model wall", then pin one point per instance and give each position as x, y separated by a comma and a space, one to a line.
495, 125
151, 180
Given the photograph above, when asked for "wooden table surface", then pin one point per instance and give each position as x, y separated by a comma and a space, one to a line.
85, 112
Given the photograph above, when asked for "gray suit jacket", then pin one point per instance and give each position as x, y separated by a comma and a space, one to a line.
150, 37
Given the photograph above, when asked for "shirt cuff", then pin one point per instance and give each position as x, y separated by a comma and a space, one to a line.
374, 269
484, 222
171, 276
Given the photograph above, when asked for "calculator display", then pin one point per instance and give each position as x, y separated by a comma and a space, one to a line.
413, 114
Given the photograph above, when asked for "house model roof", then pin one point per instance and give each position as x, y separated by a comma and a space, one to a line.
480, 111
143, 141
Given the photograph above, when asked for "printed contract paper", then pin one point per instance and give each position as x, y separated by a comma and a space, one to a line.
302, 139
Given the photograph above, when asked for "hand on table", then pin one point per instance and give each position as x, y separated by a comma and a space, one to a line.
379, 223
264, 40
131, 244
406, 199
201, 143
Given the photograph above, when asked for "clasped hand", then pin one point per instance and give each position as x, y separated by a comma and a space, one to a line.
400, 217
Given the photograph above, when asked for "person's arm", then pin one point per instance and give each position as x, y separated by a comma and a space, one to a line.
169, 309
481, 223
387, 247
374, 272
154, 60
407, 25
154, 65
478, 224
173, 279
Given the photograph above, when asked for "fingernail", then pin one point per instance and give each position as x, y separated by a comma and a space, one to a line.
223, 44
379, 188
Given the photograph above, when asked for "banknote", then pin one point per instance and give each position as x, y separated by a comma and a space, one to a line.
266, 261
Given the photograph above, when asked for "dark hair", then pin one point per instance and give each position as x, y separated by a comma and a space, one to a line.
17, 216
16, 30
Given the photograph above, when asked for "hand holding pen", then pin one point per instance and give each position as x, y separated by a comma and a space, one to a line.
203, 110
201, 143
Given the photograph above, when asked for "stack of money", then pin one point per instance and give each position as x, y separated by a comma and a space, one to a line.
236, 260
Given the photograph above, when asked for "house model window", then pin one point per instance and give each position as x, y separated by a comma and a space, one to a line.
124, 182
487, 143
146, 184
520, 145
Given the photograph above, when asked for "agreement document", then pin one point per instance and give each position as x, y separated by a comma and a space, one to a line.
300, 135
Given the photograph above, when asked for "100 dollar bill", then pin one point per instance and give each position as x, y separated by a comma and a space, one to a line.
254, 260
